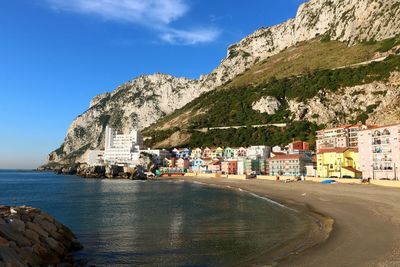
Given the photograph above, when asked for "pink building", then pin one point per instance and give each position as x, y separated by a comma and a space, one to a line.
214, 166
207, 153
342, 136
379, 149
182, 163
240, 152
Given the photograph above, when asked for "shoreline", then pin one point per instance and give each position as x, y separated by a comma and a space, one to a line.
359, 224
316, 233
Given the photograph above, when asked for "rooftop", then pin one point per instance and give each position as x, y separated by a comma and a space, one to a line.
336, 150
287, 157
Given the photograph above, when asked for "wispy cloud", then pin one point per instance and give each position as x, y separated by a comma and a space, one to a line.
154, 14
195, 36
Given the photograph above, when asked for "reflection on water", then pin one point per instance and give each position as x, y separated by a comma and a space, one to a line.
125, 223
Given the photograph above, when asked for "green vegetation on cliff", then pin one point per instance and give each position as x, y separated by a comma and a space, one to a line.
271, 135
233, 106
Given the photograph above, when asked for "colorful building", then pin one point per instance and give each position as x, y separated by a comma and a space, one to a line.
229, 166
240, 152
338, 163
380, 152
184, 153
169, 162
217, 153
214, 166
298, 147
207, 153
196, 153
339, 137
197, 165
229, 153
182, 163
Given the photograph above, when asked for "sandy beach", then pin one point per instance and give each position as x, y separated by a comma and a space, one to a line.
366, 228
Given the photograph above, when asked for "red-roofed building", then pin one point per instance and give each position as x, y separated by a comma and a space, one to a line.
229, 166
298, 146
342, 136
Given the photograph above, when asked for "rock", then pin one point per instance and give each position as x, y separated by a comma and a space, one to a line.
138, 174
47, 226
333, 108
37, 228
39, 250
10, 258
56, 246
113, 171
9, 233
268, 104
17, 224
29, 237
4, 242
32, 236
47, 217
29, 257
71, 170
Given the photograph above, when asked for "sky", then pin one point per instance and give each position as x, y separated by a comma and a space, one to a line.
56, 55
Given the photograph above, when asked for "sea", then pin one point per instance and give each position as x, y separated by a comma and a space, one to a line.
158, 223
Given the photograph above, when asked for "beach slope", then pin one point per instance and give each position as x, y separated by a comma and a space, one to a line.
366, 228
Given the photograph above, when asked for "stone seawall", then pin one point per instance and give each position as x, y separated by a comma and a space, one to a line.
31, 237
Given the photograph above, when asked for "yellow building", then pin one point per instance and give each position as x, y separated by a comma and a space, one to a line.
338, 163
217, 153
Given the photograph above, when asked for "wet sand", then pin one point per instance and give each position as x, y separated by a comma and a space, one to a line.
366, 229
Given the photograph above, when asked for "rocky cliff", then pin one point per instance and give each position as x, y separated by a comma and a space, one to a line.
374, 103
146, 99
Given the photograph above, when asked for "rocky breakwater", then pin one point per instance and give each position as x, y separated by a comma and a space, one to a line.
147, 163
31, 237
112, 172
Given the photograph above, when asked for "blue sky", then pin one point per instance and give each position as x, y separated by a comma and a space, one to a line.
55, 55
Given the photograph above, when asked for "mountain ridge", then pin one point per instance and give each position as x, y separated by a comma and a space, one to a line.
144, 100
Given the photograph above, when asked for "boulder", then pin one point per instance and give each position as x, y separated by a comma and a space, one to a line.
267, 104
30, 237
10, 258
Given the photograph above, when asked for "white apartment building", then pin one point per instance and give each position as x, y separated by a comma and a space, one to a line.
95, 158
380, 152
338, 137
258, 152
122, 148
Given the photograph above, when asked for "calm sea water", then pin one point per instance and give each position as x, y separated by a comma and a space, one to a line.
153, 223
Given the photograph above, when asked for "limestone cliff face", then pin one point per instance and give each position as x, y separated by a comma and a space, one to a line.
377, 103
146, 99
